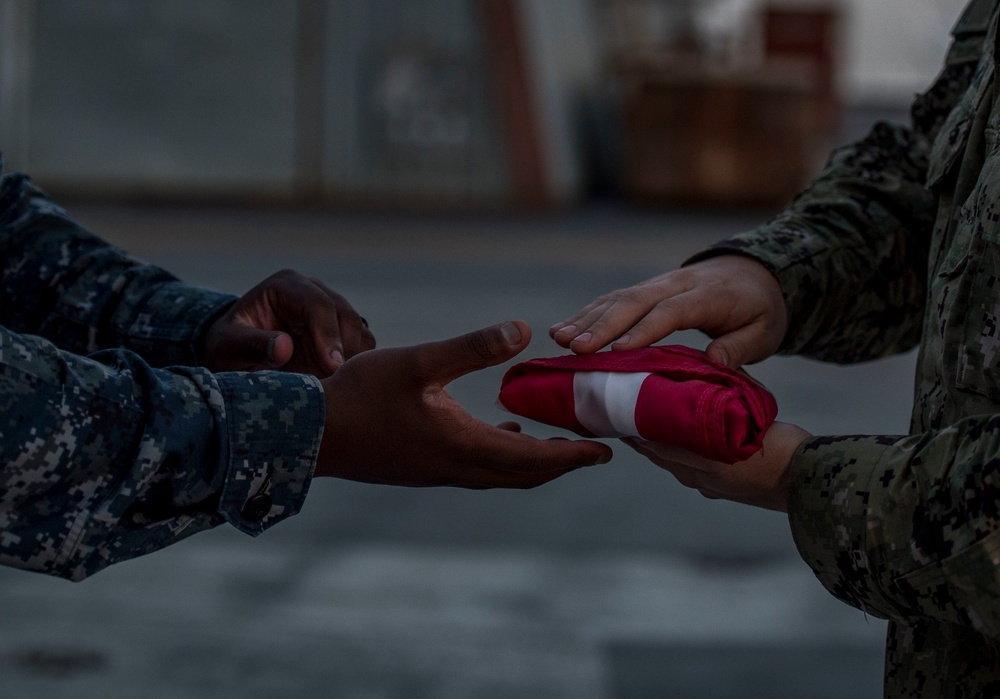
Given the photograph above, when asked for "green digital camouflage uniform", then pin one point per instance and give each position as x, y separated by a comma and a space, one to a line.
109, 456
896, 244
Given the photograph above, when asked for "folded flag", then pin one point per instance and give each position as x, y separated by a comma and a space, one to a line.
672, 395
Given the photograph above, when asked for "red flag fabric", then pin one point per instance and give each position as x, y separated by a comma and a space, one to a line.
668, 394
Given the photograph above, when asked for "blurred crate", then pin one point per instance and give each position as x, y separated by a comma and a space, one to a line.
810, 34
732, 138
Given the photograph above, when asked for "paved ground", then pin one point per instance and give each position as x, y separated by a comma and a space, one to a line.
612, 583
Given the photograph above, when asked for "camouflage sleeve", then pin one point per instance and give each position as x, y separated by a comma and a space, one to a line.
905, 527
83, 294
105, 458
850, 252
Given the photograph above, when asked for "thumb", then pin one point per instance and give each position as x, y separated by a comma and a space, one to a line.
244, 347
446, 360
743, 346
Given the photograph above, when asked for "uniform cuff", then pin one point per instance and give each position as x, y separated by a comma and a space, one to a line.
275, 425
172, 320
829, 505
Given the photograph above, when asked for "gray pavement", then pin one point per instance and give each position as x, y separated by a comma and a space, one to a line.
610, 583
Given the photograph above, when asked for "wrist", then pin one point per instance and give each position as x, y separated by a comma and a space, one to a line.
782, 442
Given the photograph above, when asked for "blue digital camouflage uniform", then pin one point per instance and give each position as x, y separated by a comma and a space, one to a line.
108, 456
897, 244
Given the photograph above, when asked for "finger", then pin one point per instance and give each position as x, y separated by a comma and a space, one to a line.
325, 332
444, 361
610, 327
505, 479
619, 318
669, 453
519, 453
685, 311
580, 332
354, 333
567, 328
245, 348
685, 475
356, 338
281, 349
641, 446
366, 339
312, 310
669, 457
747, 345
648, 331
634, 442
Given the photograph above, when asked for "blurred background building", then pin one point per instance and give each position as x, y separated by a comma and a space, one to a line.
449, 102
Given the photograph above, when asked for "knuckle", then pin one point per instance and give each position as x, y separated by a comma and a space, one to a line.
327, 291
598, 326
671, 304
621, 296
736, 347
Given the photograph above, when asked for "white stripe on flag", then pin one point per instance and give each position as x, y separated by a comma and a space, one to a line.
605, 401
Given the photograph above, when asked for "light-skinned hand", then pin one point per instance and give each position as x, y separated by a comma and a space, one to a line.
733, 298
762, 480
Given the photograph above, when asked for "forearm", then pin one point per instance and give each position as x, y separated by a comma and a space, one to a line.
106, 458
905, 527
63, 283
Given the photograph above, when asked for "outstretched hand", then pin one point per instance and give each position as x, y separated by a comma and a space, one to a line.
733, 298
390, 420
288, 322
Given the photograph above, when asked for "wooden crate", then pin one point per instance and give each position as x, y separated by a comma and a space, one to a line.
694, 136
810, 34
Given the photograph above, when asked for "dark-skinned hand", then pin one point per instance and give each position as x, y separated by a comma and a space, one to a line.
288, 322
390, 420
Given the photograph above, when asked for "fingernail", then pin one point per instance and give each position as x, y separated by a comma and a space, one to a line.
337, 357
603, 460
723, 357
511, 333
566, 330
623, 340
556, 327
586, 337
270, 348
